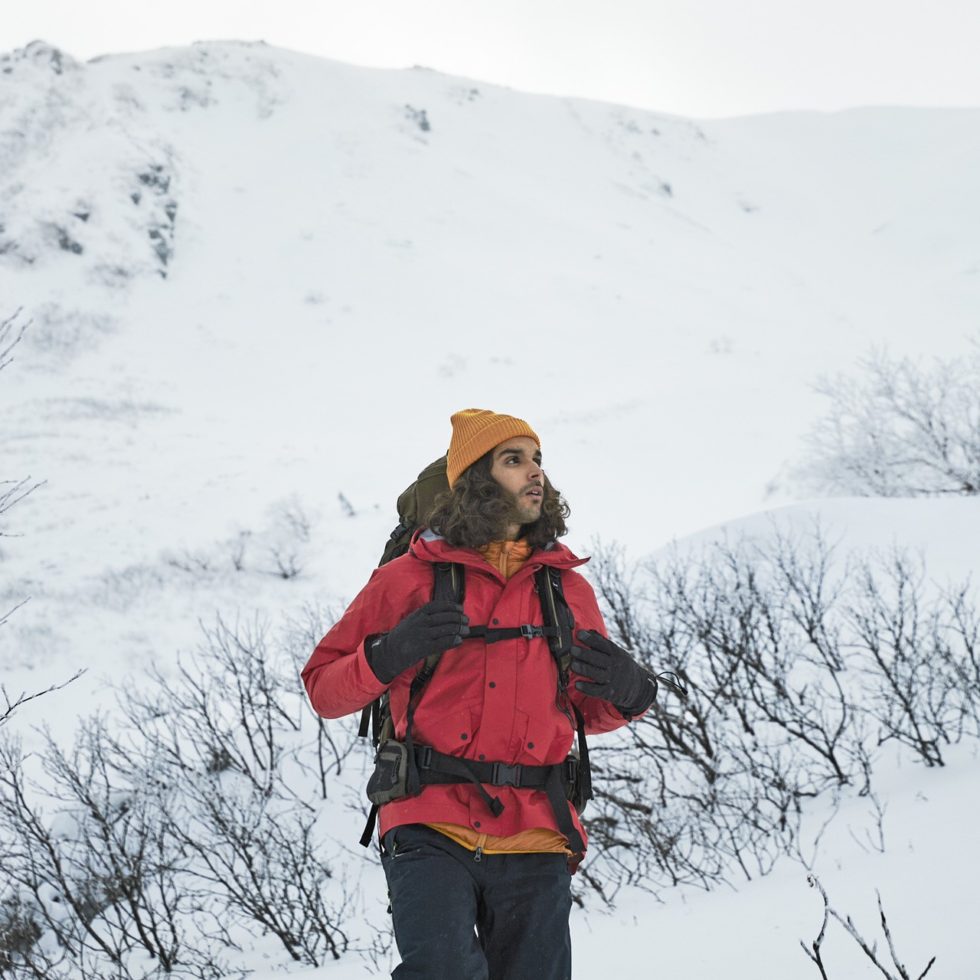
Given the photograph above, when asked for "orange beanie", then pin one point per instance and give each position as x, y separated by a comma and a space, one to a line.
475, 432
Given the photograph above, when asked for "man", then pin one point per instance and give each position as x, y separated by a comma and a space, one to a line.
485, 836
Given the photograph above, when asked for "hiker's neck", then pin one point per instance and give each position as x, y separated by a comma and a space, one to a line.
512, 532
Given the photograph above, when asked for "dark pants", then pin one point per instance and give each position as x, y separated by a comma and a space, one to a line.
503, 917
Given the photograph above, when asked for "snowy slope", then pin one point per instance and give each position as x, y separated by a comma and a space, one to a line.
260, 280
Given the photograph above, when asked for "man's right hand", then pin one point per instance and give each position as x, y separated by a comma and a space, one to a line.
433, 628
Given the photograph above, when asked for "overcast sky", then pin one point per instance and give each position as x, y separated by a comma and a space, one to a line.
691, 57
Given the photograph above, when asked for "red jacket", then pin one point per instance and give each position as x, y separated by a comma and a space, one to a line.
493, 702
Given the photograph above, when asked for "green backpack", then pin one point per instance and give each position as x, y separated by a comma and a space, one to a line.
414, 504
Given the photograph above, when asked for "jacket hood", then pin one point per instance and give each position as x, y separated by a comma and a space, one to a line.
430, 546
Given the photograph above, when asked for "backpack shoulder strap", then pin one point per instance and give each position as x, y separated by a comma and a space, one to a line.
448, 581
557, 614
448, 586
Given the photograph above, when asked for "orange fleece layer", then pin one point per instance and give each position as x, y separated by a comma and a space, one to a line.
507, 557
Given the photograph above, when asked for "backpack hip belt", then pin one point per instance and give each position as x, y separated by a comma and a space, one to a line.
437, 767
393, 776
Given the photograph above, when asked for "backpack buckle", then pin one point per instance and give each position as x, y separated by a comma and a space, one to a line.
530, 632
571, 770
504, 775
423, 756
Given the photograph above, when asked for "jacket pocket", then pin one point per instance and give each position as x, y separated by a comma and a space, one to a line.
451, 733
543, 740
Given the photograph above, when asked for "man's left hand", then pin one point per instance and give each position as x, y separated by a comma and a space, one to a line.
614, 675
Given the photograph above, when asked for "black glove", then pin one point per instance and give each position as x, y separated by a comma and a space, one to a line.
615, 676
434, 628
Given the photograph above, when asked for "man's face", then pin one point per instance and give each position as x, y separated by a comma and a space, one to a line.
517, 468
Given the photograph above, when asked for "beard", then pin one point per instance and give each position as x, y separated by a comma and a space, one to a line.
523, 510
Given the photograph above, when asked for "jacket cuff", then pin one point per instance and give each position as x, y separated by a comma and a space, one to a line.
364, 675
371, 650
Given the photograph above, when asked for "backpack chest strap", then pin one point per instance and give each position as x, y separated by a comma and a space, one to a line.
528, 631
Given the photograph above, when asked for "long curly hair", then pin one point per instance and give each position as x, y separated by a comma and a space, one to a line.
476, 511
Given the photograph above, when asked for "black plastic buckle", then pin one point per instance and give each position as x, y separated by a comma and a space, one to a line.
530, 632
504, 775
423, 756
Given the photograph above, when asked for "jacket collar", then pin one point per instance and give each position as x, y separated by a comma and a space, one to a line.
429, 546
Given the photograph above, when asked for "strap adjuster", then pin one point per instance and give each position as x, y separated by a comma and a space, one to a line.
504, 775
423, 756
530, 632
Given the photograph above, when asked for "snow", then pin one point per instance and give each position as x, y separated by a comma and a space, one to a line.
655, 295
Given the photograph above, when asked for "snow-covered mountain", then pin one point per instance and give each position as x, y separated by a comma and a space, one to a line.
259, 283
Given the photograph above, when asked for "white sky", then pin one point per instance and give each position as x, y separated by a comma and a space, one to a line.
691, 57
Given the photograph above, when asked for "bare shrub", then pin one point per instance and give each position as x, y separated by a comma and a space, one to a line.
289, 539
713, 785
259, 860
99, 880
798, 665
957, 648
335, 740
898, 429
224, 710
918, 689
238, 548
228, 728
176, 837
813, 950
194, 563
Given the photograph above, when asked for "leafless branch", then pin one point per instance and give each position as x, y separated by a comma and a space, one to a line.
869, 949
10, 706
13, 491
10, 336
813, 950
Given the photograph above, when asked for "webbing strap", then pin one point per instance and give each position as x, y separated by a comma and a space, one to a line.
527, 630
555, 610
369, 826
371, 713
438, 768
585, 766
448, 586
449, 769
559, 806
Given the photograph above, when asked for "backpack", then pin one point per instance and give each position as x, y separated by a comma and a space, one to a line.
396, 773
414, 504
